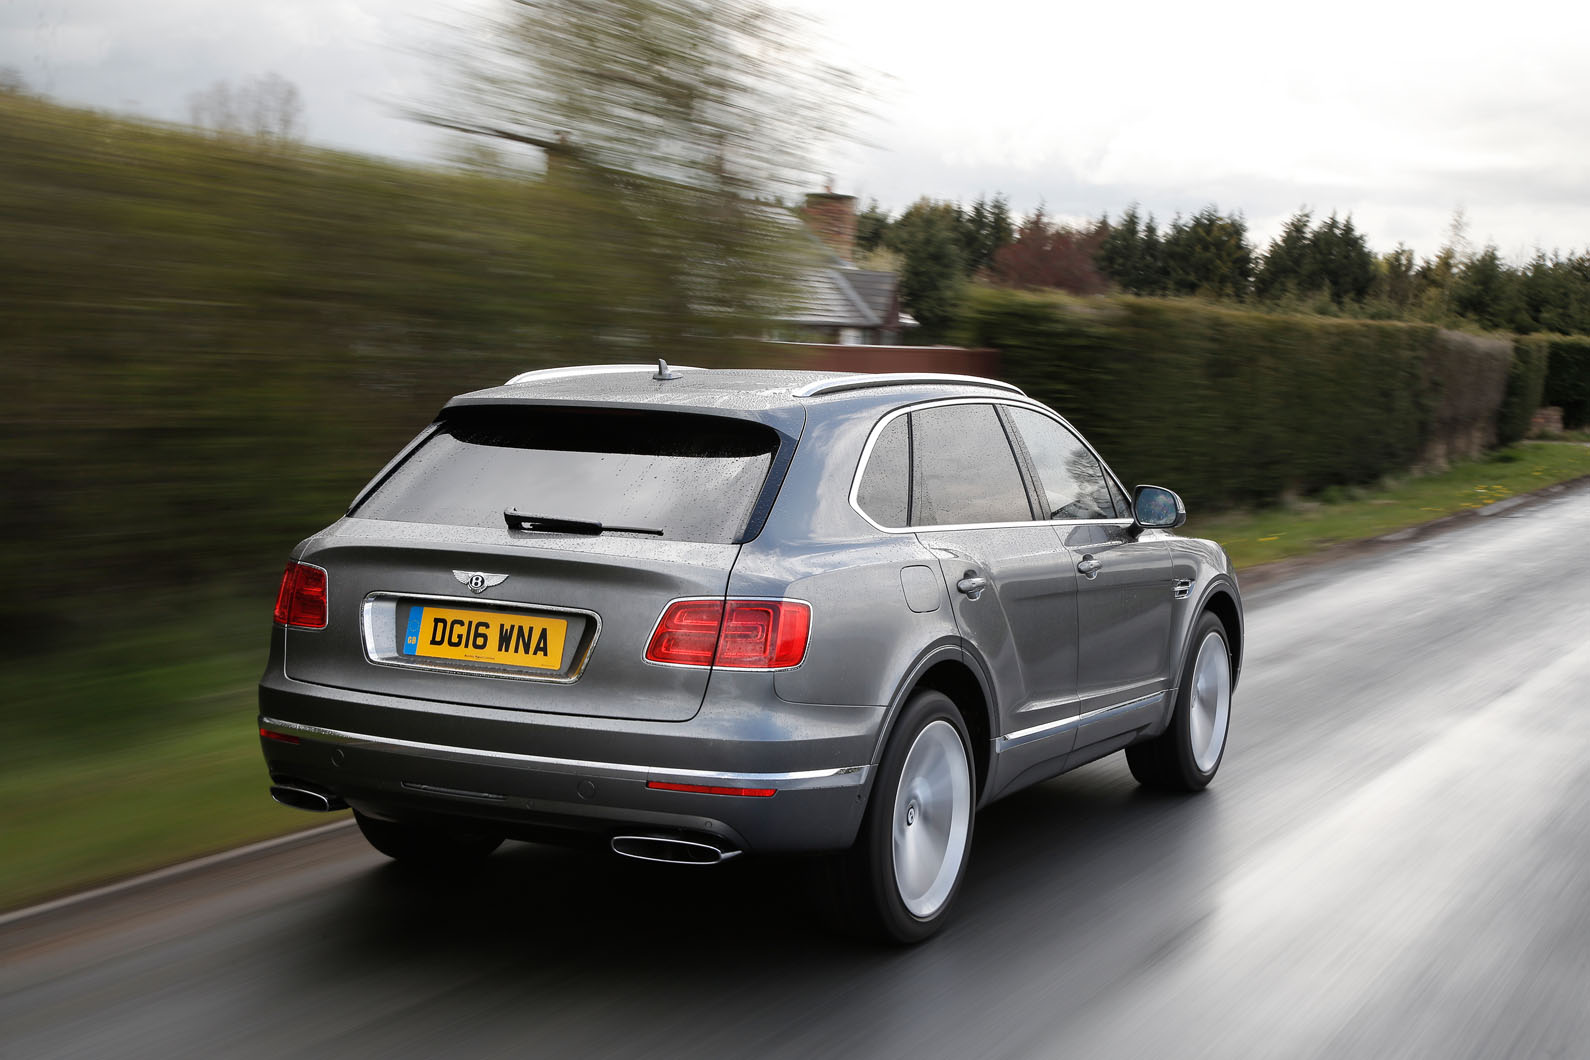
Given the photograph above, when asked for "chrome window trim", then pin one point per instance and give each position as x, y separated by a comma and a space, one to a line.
542, 375
877, 429
797, 778
866, 381
380, 657
726, 600
1052, 728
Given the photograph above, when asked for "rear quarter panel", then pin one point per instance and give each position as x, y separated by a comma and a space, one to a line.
865, 634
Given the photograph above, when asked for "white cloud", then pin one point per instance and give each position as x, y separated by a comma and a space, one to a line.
1395, 112
357, 62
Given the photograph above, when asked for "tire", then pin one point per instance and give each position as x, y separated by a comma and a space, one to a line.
426, 847
1187, 755
901, 877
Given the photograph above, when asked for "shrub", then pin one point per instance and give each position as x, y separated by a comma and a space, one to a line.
1568, 378
1465, 379
1526, 384
207, 349
1229, 406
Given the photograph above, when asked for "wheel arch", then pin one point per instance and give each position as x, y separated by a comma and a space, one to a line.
1224, 606
946, 668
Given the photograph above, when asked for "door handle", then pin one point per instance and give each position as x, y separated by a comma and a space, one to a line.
1089, 567
972, 585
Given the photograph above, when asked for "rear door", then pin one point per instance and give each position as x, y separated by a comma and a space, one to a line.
1011, 581
435, 594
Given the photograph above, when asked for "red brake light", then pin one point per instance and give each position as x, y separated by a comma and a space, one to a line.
687, 633
739, 634
764, 634
284, 596
301, 600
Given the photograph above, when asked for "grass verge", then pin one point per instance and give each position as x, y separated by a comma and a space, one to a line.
134, 750
70, 823
139, 750
1303, 527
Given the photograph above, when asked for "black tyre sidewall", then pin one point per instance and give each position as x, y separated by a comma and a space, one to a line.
873, 854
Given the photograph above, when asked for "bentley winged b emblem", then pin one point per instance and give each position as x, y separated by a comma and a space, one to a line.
478, 580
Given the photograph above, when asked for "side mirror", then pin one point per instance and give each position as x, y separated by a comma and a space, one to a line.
1157, 508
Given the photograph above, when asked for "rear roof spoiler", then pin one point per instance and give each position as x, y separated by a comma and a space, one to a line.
544, 375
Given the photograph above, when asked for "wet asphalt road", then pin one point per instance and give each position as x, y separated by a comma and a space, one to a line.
1393, 861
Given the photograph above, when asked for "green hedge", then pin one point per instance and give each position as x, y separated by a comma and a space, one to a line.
1464, 383
206, 347
1526, 385
1568, 377
1229, 406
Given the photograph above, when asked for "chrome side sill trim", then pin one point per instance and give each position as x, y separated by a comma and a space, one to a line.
1038, 732
568, 765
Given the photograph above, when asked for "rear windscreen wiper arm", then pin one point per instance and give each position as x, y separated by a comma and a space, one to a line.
555, 524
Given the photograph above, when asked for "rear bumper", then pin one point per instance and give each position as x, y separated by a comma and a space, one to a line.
440, 771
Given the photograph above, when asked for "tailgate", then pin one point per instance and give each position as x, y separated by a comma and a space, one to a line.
552, 623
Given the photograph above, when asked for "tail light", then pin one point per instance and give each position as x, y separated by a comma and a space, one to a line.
301, 601
738, 634
687, 633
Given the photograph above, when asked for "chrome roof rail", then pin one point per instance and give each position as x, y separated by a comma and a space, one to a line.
861, 381
541, 375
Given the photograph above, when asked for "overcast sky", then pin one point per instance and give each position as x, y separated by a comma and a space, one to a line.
1397, 113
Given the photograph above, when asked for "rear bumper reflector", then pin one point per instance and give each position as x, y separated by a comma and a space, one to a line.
712, 789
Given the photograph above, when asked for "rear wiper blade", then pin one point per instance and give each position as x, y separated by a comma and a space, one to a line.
556, 524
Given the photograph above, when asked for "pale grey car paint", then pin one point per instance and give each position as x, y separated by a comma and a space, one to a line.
1061, 667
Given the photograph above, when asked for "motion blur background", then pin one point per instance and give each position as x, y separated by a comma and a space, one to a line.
220, 312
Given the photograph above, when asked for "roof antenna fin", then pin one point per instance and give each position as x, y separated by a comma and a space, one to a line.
664, 373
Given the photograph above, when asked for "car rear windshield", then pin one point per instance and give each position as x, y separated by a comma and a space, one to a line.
694, 477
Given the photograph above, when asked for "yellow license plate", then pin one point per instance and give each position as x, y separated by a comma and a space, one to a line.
486, 637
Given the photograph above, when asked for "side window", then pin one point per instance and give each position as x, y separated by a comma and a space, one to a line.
1070, 478
885, 484
963, 469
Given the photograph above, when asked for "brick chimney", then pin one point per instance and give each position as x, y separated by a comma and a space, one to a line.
833, 218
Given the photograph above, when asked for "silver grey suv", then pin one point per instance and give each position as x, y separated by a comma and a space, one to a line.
691, 614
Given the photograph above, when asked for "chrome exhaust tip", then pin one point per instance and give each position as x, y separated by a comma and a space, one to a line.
671, 849
304, 799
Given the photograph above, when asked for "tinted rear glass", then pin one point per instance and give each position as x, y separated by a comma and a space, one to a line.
695, 478
884, 492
